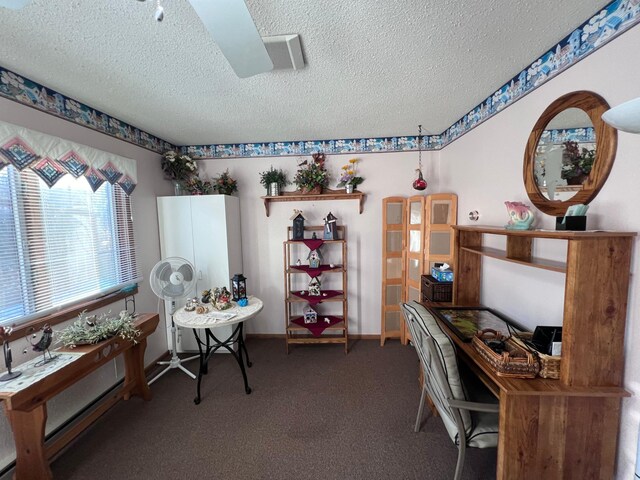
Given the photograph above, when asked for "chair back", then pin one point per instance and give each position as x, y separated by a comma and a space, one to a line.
439, 362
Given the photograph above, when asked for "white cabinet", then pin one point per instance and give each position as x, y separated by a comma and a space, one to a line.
204, 229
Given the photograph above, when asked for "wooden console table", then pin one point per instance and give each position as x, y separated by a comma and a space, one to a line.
27, 408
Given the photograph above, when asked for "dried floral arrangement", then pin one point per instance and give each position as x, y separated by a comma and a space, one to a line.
89, 329
178, 167
225, 184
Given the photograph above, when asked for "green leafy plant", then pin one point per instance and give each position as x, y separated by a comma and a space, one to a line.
89, 329
312, 174
224, 184
273, 175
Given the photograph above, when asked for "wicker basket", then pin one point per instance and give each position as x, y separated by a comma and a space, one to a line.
515, 361
435, 291
549, 364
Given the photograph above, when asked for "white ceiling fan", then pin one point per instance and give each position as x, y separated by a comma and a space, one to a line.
231, 26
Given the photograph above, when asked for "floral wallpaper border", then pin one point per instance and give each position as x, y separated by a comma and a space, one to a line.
22, 90
559, 136
614, 19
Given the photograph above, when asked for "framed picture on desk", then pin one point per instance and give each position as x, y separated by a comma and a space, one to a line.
466, 321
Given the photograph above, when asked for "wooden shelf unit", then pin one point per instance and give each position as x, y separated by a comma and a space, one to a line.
297, 334
564, 428
302, 197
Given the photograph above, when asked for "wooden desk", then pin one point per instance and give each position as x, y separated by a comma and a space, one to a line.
547, 429
27, 408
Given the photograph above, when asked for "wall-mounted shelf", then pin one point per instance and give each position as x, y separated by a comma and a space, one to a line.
327, 195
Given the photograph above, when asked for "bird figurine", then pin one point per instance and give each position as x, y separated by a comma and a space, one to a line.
43, 344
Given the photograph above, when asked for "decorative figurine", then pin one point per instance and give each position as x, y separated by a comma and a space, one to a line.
5, 332
315, 258
314, 287
239, 287
206, 296
243, 302
314, 236
298, 263
330, 230
520, 216
43, 345
221, 298
191, 305
310, 315
297, 231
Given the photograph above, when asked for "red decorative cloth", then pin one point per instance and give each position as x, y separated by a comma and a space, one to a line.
313, 243
313, 299
313, 272
316, 329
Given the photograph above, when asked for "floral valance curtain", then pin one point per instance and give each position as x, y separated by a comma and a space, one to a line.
51, 158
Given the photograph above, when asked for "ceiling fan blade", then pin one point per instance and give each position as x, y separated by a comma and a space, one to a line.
231, 26
14, 4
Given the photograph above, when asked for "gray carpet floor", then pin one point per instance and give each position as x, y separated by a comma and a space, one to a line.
313, 414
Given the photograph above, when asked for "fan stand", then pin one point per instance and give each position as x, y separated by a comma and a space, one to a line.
175, 362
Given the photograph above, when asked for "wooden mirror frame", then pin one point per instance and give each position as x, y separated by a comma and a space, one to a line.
606, 145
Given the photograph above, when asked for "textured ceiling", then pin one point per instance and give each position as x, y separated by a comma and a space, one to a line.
373, 68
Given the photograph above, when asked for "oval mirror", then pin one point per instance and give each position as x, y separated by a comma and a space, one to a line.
569, 153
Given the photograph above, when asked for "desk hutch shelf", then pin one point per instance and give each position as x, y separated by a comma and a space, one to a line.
564, 428
293, 275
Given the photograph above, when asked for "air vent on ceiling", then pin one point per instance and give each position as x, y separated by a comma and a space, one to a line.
285, 51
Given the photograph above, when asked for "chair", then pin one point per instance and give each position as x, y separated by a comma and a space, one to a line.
469, 412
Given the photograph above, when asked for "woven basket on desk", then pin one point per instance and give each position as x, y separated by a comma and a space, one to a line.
549, 364
515, 361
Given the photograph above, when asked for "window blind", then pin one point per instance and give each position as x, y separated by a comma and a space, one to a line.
61, 245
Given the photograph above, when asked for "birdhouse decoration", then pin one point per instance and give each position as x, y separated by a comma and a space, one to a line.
314, 287
310, 315
330, 230
315, 258
297, 230
238, 287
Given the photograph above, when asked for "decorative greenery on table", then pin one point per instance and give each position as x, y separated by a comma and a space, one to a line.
274, 175
224, 184
349, 175
89, 329
576, 162
312, 174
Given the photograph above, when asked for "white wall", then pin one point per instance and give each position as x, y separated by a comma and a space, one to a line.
150, 184
485, 168
385, 174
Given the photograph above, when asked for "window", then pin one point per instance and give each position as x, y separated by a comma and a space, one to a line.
60, 245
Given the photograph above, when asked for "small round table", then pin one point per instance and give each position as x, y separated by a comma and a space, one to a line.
209, 344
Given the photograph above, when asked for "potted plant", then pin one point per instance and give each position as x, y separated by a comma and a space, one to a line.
312, 176
224, 184
349, 180
576, 163
273, 180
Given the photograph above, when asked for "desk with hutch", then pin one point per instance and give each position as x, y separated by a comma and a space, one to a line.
564, 428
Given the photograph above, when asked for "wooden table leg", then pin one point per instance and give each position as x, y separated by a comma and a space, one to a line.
28, 433
134, 371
